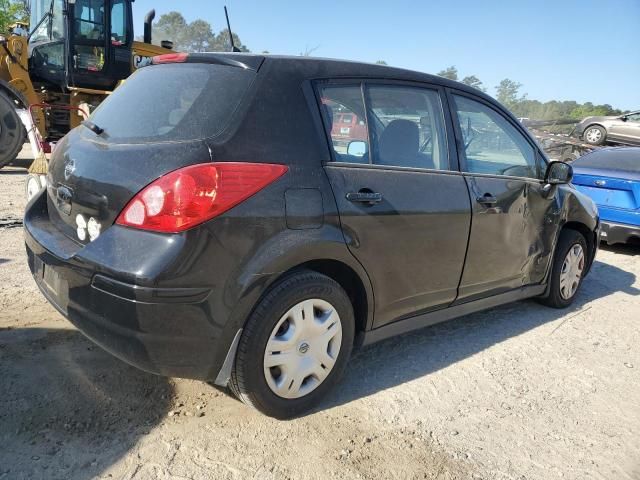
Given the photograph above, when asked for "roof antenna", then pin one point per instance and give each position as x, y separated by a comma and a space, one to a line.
233, 46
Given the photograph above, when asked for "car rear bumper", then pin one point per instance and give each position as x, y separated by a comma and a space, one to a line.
613, 233
167, 331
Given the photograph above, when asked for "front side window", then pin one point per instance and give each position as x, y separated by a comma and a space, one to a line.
408, 127
344, 118
634, 118
492, 145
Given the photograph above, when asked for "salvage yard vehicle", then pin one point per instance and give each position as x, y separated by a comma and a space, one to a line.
611, 177
623, 129
75, 55
218, 235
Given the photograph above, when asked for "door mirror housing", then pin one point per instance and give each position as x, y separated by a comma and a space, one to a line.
558, 173
357, 148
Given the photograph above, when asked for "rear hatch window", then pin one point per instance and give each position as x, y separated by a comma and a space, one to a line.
173, 102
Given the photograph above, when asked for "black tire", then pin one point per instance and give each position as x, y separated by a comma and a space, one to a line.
568, 239
12, 132
248, 380
595, 128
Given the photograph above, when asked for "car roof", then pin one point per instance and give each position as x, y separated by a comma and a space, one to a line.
318, 68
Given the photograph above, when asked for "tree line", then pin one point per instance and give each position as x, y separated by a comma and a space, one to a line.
12, 11
199, 36
508, 93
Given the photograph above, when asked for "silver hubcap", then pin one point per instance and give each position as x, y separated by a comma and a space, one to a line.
33, 187
571, 272
303, 348
594, 135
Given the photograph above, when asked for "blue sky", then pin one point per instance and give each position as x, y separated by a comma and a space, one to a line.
583, 50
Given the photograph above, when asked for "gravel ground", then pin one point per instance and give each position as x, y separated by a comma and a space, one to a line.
518, 392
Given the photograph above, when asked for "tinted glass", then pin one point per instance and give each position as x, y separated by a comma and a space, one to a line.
344, 117
409, 127
634, 118
118, 23
492, 145
187, 102
89, 23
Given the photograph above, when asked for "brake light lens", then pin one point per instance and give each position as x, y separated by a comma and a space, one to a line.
170, 58
187, 197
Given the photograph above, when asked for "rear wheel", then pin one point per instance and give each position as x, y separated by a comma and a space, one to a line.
12, 132
569, 267
295, 345
595, 135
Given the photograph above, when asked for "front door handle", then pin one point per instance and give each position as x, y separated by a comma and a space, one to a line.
366, 197
487, 199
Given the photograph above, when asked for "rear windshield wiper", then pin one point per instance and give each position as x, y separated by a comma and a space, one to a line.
93, 127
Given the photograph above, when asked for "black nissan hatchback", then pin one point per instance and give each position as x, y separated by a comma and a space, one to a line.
249, 219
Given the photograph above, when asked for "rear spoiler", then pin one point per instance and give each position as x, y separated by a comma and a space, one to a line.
246, 62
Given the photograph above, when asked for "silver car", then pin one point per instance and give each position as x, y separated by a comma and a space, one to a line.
619, 129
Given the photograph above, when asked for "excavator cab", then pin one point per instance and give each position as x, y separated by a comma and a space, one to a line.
81, 43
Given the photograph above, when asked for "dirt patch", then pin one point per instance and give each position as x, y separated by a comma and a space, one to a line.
518, 392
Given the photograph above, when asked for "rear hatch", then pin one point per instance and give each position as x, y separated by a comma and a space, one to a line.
618, 199
159, 120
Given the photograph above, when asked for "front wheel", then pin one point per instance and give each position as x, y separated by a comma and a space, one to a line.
569, 267
295, 345
12, 132
595, 135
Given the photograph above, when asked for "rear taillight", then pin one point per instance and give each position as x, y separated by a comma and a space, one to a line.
191, 195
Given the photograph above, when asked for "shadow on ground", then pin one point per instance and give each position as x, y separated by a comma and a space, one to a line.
622, 249
69, 409
414, 355
21, 170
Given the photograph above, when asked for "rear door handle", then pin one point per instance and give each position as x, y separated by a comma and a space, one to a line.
368, 198
487, 199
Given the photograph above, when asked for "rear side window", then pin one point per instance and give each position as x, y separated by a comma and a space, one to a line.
173, 102
409, 127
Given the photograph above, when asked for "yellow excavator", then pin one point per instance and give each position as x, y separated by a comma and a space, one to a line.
55, 72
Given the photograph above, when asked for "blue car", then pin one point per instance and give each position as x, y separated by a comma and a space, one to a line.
611, 177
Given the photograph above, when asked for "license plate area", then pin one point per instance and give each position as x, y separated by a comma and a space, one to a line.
53, 283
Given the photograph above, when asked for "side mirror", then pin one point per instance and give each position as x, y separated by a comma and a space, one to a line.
558, 173
624, 118
357, 148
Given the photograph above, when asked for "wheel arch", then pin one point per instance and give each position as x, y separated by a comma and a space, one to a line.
596, 124
589, 236
350, 282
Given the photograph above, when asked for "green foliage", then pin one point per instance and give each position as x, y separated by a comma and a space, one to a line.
451, 73
381, 62
12, 11
197, 36
474, 82
508, 94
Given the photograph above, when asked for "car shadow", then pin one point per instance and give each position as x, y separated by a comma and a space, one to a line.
404, 358
22, 170
68, 409
622, 248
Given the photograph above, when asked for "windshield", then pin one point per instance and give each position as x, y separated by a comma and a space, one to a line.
50, 29
187, 102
